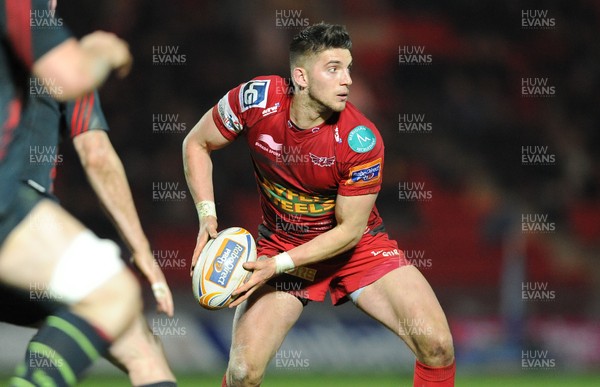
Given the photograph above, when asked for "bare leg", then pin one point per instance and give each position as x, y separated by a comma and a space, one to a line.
32, 251
403, 301
259, 327
141, 354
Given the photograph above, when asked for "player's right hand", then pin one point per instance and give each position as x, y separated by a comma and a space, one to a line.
145, 262
107, 45
208, 229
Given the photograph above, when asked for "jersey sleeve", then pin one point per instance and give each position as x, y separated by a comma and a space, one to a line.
32, 29
84, 114
242, 106
361, 169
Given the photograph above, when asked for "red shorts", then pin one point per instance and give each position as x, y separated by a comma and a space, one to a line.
373, 257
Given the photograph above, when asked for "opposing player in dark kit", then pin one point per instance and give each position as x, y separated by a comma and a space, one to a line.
67, 260
45, 121
318, 164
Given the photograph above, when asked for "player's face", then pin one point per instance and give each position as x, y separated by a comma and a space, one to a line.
329, 78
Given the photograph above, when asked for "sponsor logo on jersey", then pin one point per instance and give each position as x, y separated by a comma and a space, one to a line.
271, 110
361, 139
365, 174
227, 259
384, 253
228, 117
322, 161
272, 147
304, 272
254, 94
290, 201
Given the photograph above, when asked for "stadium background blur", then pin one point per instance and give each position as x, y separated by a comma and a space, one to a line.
490, 117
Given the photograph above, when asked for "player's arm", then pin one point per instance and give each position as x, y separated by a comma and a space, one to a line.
107, 177
352, 214
76, 68
197, 164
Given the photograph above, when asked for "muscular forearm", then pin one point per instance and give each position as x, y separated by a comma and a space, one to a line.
107, 177
338, 240
197, 166
352, 214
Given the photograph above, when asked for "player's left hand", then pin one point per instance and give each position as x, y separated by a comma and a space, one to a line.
262, 271
162, 293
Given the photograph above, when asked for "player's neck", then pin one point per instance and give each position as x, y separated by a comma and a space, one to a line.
307, 114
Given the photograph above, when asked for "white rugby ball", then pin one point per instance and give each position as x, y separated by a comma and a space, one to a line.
219, 270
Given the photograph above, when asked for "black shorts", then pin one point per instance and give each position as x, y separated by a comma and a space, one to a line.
24, 201
25, 307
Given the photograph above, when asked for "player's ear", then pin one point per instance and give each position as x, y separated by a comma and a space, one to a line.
299, 77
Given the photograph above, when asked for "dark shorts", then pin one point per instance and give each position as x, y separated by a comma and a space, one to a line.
24, 201
374, 256
25, 307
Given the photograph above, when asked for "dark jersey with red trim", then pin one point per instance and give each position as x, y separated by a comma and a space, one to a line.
301, 172
28, 30
46, 122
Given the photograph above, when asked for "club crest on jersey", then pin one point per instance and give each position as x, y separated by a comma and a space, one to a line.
362, 139
254, 94
365, 174
322, 161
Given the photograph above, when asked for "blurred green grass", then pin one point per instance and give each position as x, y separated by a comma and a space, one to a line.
547, 379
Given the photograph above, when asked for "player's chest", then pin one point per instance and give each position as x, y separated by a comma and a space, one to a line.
309, 156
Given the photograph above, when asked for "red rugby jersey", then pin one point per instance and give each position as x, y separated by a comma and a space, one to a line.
300, 172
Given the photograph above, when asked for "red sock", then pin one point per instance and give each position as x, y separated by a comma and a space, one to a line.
426, 376
224, 382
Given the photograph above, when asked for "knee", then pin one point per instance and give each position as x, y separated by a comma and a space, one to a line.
243, 374
437, 350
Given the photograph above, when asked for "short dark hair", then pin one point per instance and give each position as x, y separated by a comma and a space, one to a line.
317, 38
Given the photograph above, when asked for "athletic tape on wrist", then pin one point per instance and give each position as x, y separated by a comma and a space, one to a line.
159, 289
283, 263
206, 208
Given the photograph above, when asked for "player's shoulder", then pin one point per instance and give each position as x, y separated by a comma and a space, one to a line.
360, 133
351, 117
263, 92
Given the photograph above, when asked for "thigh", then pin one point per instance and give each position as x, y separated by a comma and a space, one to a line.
260, 326
31, 251
404, 302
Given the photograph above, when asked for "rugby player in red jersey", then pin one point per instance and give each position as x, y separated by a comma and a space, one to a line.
318, 164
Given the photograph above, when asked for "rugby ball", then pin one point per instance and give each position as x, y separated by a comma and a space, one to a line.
219, 270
